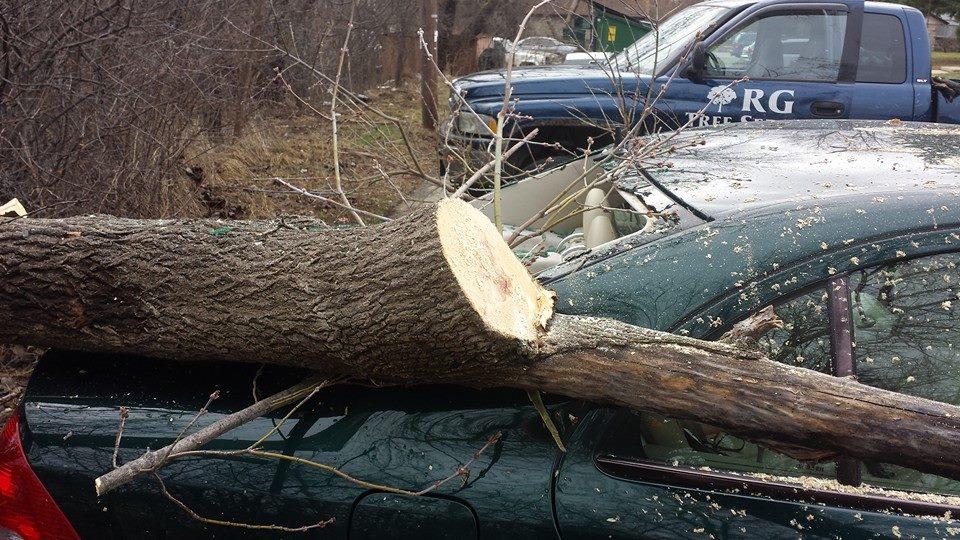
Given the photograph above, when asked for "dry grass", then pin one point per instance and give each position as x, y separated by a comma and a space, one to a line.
377, 169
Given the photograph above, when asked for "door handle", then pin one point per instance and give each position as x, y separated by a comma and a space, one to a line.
827, 109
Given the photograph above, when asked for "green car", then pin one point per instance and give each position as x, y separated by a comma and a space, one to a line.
851, 230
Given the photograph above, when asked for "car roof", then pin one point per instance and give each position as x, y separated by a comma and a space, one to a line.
747, 166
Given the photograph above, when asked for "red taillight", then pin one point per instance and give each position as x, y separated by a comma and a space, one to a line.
26, 509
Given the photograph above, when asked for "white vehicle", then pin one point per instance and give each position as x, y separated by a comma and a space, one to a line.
583, 58
541, 50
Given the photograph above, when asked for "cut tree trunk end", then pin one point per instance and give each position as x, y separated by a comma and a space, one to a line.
434, 297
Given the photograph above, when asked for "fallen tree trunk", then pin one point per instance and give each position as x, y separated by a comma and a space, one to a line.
436, 297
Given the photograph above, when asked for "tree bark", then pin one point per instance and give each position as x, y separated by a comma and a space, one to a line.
435, 297
743, 393
398, 302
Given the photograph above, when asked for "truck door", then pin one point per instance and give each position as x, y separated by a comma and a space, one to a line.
781, 62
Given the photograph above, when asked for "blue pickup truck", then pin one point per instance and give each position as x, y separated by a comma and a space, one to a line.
713, 63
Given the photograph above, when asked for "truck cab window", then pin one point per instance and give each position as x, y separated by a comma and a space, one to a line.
785, 46
883, 50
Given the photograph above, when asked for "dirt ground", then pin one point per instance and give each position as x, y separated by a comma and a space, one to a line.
377, 168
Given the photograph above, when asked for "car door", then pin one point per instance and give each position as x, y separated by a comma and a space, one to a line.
892, 323
906, 338
784, 61
637, 474
406, 438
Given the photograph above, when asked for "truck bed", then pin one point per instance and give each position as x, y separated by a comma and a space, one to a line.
947, 100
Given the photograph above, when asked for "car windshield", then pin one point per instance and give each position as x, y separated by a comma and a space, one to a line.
673, 36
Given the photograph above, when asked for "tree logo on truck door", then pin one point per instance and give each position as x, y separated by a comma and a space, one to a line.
755, 100
721, 95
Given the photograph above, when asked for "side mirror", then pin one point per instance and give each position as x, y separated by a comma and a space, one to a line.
698, 63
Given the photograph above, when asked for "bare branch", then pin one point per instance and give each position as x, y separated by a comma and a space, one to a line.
154, 460
210, 521
124, 413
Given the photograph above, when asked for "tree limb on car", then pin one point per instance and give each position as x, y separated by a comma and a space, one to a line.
433, 297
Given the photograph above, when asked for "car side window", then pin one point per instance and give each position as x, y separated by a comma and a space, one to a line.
907, 327
883, 50
803, 341
906, 319
804, 46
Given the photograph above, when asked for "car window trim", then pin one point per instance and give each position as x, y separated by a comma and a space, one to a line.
850, 55
840, 329
737, 485
840, 319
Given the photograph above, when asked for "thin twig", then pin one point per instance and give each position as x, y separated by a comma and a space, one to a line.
251, 451
545, 416
124, 412
286, 417
502, 116
483, 170
154, 460
312, 195
256, 379
211, 521
333, 119
463, 471
397, 122
203, 410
